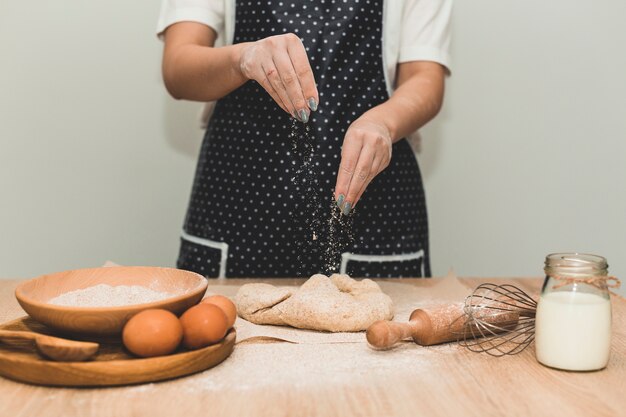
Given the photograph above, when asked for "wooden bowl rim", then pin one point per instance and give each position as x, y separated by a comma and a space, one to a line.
21, 297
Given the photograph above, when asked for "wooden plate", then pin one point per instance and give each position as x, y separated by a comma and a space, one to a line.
111, 366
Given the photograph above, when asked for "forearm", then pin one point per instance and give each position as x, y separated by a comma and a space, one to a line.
193, 69
414, 103
202, 73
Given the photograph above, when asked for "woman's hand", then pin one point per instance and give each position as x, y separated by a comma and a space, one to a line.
281, 66
367, 146
366, 152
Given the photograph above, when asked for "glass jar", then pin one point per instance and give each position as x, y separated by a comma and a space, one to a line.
573, 321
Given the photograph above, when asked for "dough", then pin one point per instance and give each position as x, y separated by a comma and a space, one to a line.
335, 304
255, 302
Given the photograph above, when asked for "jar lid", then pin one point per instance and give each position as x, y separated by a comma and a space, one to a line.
576, 261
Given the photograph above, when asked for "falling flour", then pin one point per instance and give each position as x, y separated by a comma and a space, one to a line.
104, 295
340, 237
323, 232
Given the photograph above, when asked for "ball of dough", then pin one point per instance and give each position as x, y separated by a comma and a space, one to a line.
335, 304
153, 332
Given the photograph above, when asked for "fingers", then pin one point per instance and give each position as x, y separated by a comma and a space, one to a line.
303, 70
363, 174
297, 77
291, 86
267, 85
378, 167
280, 64
349, 158
366, 152
270, 72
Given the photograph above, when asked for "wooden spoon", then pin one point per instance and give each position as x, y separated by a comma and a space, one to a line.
55, 348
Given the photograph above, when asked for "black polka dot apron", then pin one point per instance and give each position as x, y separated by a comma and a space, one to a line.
247, 216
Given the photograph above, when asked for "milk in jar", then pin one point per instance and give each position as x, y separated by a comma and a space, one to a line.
573, 330
573, 318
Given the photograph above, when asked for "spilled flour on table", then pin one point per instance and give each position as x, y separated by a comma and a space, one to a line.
261, 365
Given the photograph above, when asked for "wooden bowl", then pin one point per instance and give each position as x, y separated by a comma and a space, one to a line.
106, 323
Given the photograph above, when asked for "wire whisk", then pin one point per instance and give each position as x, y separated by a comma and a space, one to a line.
499, 320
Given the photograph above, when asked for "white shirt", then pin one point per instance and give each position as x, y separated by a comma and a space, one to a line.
413, 30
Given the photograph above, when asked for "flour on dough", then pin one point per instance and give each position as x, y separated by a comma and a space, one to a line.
335, 304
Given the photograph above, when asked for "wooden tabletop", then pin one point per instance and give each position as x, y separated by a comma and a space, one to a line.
458, 383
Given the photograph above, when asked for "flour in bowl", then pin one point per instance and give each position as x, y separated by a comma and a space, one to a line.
104, 295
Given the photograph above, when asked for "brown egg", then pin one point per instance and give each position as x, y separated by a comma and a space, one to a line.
153, 332
227, 306
203, 324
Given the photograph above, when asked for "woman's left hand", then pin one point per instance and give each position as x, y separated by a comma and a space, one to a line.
366, 152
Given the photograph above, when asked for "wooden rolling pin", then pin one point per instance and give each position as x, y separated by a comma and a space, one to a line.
431, 326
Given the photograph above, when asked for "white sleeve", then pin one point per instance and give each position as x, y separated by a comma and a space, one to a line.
208, 12
426, 31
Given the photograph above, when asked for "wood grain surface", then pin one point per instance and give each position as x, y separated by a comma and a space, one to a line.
449, 381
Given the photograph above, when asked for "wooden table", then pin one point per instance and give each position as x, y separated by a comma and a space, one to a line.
456, 384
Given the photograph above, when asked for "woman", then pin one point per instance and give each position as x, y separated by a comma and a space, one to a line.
359, 76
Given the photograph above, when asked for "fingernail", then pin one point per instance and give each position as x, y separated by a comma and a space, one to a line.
346, 209
303, 115
312, 104
340, 200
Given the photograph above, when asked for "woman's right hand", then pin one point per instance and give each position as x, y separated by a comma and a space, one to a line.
281, 66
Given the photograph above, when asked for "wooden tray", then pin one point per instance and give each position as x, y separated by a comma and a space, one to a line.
111, 366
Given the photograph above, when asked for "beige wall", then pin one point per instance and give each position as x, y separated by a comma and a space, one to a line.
527, 157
